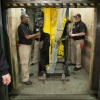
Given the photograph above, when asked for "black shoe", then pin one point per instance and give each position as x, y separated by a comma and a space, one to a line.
71, 64
76, 69
27, 83
30, 74
32, 64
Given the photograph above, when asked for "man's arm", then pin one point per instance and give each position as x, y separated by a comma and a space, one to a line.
26, 33
33, 36
78, 34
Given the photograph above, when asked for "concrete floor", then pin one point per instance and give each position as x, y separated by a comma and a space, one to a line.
77, 84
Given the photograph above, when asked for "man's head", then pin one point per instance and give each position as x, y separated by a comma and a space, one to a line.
24, 18
41, 22
77, 17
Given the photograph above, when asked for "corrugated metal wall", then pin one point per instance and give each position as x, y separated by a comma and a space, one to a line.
97, 53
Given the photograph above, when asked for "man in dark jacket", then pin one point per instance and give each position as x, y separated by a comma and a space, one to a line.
5, 78
44, 55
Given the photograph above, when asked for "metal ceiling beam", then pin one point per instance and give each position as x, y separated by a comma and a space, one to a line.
51, 5
48, 1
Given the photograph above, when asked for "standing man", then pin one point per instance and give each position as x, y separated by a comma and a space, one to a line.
5, 78
41, 49
38, 42
25, 41
44, 54
78, 35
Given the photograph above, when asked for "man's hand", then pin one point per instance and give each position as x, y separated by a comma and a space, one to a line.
37, 35
6, 79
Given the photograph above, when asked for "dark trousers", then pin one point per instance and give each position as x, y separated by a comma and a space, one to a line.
44, 54
3, 90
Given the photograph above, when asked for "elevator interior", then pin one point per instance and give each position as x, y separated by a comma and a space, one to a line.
78, 82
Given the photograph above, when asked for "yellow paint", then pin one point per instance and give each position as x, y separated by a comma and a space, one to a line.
28, 4
22, 4
71, 4
14, 4
42, 4
50, 26
50, 4
47, 18
36, 4
64, 4
57, 4
78, 4
92, 4
85, 4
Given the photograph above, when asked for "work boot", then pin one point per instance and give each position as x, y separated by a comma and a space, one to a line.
76, 69
32, 64
30, 74
27, 82
43, 77
71, 64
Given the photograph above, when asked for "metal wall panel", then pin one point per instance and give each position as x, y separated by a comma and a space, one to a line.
97, 53
49, 1
1, 27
